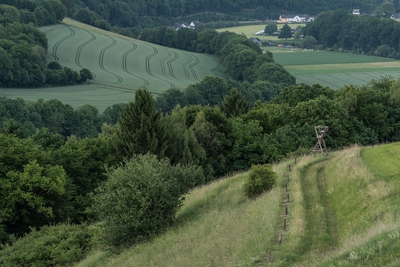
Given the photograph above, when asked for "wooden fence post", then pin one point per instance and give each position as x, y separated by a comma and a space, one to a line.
284, 224
280, 239
288, 199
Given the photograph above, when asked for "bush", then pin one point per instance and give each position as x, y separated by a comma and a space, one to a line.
261, 178
141, 198
59, 245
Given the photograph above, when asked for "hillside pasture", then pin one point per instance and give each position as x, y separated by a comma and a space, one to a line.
216, 226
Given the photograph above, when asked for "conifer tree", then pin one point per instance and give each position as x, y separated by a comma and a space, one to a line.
234, 104
141, 130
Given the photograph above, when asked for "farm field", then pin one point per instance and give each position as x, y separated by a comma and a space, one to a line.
76, 96
334, 69
126, 62
119, 65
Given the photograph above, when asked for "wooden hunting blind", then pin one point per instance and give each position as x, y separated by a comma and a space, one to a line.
320, 146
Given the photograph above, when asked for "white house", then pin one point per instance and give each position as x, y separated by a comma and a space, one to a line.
295, 18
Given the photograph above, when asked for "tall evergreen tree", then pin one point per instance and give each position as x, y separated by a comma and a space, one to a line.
141, 130
234, 104
286, 32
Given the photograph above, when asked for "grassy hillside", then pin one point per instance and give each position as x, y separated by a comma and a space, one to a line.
343, 210
217, 226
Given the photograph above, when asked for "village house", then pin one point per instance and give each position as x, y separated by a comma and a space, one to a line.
295, 18
395, 16
178, 26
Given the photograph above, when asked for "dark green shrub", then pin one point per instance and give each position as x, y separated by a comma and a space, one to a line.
261, 178
141, 198
59, 245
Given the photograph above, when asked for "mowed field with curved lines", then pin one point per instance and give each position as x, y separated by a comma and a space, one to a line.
119, 64
124, 62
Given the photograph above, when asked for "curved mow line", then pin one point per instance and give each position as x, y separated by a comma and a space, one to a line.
216, 67
196, 62
184, 66
125, 67
79, 50
57, 44
101, 59
169, 64
162, 61
148, 70
155, 52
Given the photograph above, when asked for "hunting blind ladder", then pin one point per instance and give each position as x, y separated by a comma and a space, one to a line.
320, 146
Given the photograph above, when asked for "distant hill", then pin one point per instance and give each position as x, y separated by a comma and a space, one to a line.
127, 13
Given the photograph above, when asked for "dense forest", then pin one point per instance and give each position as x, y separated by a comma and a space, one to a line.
23, 48
339, 30
126, 14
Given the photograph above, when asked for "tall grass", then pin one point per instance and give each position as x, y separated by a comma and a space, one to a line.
217, 226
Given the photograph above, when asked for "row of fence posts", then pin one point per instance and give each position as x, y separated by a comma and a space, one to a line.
280, 237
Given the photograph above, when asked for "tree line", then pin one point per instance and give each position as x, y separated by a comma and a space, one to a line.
242, 59
341, 30
141, 13
23, 47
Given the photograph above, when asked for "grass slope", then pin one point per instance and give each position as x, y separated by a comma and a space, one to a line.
217, 226
343, 211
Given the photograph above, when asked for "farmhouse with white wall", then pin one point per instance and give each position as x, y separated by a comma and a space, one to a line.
295, 18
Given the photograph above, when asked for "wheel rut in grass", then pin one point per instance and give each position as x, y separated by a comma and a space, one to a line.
321, 233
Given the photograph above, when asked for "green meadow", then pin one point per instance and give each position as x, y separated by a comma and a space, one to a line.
343, 210
250, 30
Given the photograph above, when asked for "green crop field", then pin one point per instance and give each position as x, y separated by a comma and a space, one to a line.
331, 69
119, 65
334, 69
125, 62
